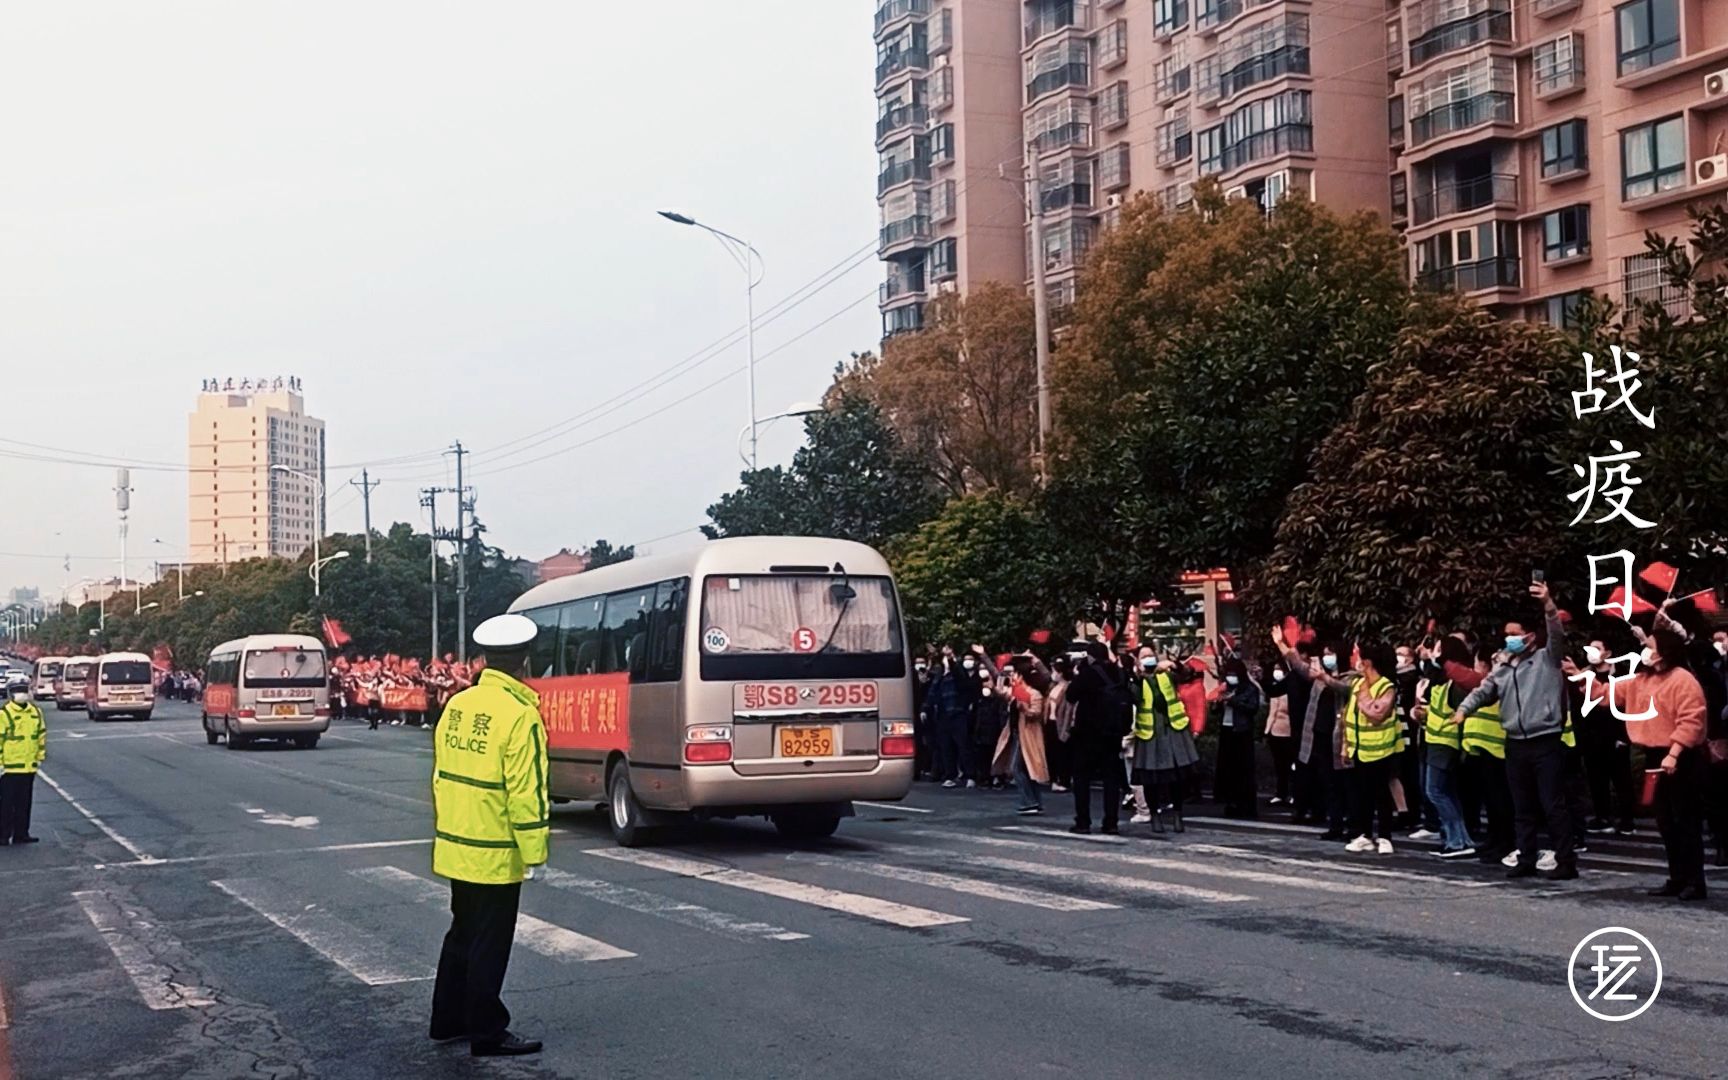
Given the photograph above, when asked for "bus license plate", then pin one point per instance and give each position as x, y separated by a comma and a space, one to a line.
286, 710
806, 742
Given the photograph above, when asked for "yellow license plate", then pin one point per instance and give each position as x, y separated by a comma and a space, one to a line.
806, 742
286, 710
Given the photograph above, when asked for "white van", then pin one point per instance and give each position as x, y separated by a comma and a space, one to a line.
267, 686
47, 673
120, 684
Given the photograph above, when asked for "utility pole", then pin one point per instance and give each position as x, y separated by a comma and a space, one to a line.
429, 500
461, 557
366, 485
1040, 306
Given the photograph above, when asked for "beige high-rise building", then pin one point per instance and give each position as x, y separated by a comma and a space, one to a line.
1530, 143
241, 501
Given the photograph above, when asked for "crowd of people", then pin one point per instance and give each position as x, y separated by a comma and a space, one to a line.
396, 690
1515, 749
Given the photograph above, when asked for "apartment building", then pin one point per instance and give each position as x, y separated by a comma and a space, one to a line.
1538, 141
256, 483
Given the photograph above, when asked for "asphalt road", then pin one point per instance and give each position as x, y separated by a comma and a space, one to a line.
204, 913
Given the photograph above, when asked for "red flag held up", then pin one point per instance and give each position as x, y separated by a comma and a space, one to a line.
1660, 575
334, 634
1617, 602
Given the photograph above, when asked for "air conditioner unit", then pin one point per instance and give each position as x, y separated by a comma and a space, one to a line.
1711, 169
1237, 192
944, 288
1111, 202
1716, 83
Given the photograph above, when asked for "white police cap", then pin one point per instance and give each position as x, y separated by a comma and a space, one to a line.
505, 632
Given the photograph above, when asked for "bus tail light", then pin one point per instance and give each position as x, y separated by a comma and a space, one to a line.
321, 712
898, 740
708, 745
247, 714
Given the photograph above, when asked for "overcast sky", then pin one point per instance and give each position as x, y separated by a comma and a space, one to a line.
441, 217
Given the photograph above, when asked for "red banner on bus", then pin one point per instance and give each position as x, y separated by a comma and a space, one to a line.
585, 712
219, 700
402, 698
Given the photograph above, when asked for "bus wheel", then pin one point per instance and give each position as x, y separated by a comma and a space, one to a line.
623, 812
235, 741
806, 824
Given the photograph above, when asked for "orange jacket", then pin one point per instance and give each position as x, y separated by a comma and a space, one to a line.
1679, 702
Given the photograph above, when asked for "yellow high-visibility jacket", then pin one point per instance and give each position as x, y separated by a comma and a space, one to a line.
489, 778
23, 738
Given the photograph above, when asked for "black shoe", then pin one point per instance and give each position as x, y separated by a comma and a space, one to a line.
1110, 830
1178, 826
1522, 870
1599, 825
1722, 856
1667, 888
1692, 894
28, 840
1625, 828
509, 1046
1564, 872
1080, 830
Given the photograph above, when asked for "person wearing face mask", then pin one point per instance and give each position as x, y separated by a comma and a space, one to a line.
1320, 788
1607, 753
924, 760
1371, 741
953, 689
1671, 731
1418, 818
23, 745
1098, 693
1164, 747
1276, 687
1236, 785
1531, 692
1444, 749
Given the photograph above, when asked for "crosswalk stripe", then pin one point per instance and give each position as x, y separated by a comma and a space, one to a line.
1013, 894
353, 950
1336, 867
1064, 834
1076, 876
678, 911
1159, 862
548, 939
137, 941
868, 907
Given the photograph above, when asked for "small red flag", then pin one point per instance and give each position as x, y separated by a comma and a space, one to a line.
1705, 602
1292, 630
1309, 635
1040, 637
1660, 575
334, 634
1229, 641
1617, 603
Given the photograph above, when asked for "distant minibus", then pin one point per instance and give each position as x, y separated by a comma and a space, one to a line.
267, 686
47, 671
69, 687
749, 676
120, 684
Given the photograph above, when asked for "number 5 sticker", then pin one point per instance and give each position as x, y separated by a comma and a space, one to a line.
803, 640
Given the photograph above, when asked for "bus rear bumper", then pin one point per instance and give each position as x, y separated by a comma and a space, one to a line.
722, 788
265, 729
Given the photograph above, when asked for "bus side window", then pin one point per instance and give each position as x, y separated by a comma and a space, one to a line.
625, 632
579, 636
666, 631
543, 654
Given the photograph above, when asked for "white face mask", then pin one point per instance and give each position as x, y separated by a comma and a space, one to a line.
1647, 657
22, 697
1722, 648
1592, 655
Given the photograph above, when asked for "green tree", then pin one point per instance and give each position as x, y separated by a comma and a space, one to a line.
604, 554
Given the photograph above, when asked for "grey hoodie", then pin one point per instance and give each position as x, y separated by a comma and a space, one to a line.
1531, 689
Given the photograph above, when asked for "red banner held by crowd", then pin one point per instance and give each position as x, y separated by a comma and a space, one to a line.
402, 698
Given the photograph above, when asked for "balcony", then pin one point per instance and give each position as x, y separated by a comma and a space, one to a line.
904, 60
1544, 9
1070, 74
901, 287
900, 172
1051, 17
1113, 44
904, 231
1463, 196
901, 116
1492, 24
892, 11
1497, 106
1076, 192
942, 32
1073, 133
1557, 67
1495, 272
902, 320
1113, 106
1211, 14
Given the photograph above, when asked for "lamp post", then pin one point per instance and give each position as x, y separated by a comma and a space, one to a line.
179, 568
748, 258
316, 570
317, 517
803, 408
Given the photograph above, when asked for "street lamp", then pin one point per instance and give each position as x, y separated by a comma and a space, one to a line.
180, 569
749, 259
803, 408
317, 570
317, 517
147, 607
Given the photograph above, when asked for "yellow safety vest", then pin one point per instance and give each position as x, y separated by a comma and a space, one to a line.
23, 738
1366, 743
1568, 737
1439, 727
1483, 732
1145, 719
489, 777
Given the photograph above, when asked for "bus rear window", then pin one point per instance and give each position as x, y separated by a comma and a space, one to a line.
49, 671
276, 669
800, 626
126, 673
76, 672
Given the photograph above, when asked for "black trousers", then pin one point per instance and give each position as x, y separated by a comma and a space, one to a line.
1235, 786
466, 998
1283, 758
1680, 812
16, 792
1324, 790
1487, 776
1090, 763
953, 748
1371, 794
1536, 773
1608, 768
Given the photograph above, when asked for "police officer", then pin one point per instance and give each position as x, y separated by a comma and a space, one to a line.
492, 808
23, 745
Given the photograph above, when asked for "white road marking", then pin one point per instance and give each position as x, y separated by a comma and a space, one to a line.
1160, 862
1337, 867
545, 938
5, 1017
895, 806
868, 907
1013, 894
312, 778
183, 860
136, 942
274, 817
678, 911
1064, 834
74, 734
1095, 879
353, 950
134, 849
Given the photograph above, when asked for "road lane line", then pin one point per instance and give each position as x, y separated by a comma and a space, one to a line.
547, 939
1013, 894
1064, 834
1337, 867
1160, 862
343, 944
665, 907
137, 941
185, 859
868, 907
311, 778
895, 806
136, 852
1076, 876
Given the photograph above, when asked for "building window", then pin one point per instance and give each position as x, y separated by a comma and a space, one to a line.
942, 143
1066, 63
1168, 16
1259, 130
1065, 182
1644, 280
1438, 27
1647, 33
1170, 76
1566, 233
1260, 55
1113, 44
1212, 150
1400, 197
1652, 158
944, 259
1175, 142
1462, 97
1113, 167
1066, 244
1564, 149
1064, 123
1113, 105
1211, 13
1558, 64
1395, 120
